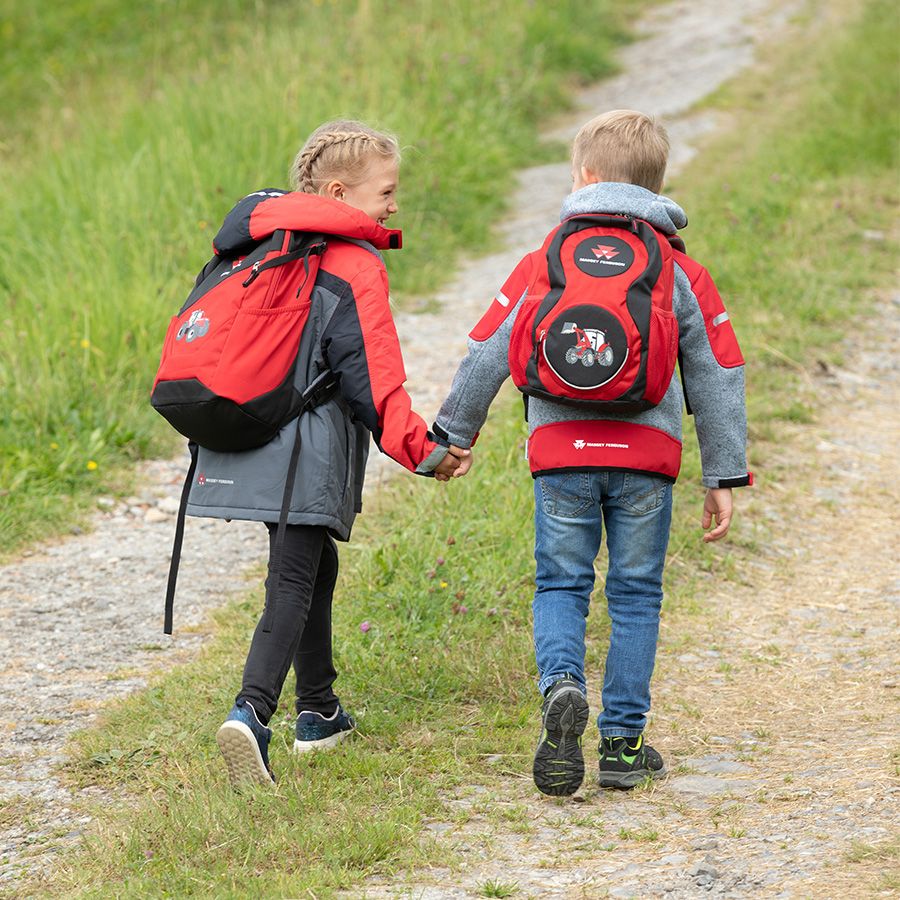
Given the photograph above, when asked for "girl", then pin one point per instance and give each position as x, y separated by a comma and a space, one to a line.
345, 181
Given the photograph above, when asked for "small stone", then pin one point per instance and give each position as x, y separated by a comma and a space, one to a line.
707, 843
154, 514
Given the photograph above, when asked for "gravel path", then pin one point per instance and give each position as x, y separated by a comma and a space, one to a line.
82, 618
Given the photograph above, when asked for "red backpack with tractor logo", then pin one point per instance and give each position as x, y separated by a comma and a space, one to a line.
226, 375
226, 378
596, 327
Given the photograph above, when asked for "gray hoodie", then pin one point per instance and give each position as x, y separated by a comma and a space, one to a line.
567, 437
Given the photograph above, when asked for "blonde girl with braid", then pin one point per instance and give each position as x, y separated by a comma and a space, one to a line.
345, 181
348, 161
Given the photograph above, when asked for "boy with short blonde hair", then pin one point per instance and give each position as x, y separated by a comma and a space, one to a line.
624, 145
608, 465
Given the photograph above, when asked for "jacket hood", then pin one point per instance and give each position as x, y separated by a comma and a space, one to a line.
261, 213
627, 200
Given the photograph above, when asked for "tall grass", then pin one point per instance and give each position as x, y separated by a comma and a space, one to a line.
108, 209
444, 679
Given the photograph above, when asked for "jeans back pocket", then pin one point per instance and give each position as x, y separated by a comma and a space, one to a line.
566, 495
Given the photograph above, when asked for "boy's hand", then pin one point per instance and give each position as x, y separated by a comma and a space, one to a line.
717, 505
465, 460
455, 464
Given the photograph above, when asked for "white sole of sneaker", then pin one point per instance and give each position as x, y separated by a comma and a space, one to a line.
242, 757
322, 744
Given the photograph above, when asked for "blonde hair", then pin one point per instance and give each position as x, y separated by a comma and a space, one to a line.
340, 150
624, 145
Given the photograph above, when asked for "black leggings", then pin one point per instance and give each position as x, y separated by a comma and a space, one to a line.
301, 626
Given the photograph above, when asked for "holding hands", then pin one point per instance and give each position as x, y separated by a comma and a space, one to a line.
455, 464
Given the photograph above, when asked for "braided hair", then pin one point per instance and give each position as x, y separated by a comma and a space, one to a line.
339, 150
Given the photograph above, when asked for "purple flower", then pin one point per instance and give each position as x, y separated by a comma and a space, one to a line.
364, 626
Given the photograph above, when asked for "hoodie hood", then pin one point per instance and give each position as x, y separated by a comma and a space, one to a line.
628, 200
263, 212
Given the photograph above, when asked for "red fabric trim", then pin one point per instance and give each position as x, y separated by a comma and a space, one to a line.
310, 212
722, 339
504, 303
603, 444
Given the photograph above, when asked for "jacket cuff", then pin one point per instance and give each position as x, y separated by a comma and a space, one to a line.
428, 465
733, 482
441, 436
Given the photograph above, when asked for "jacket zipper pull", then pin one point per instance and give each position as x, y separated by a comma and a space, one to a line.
253, 273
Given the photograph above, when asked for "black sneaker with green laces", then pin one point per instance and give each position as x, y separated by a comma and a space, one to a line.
558, 760
626, 762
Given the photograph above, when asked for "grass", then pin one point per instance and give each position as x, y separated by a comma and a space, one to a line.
440, 693
127, 135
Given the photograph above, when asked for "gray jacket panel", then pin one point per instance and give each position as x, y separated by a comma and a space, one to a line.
333, 453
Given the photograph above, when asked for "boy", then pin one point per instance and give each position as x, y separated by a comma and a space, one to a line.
594, 467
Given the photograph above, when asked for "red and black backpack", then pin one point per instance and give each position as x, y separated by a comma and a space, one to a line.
226, 374
226, 377
596, 327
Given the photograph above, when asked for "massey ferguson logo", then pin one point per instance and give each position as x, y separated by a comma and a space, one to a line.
580, 444
603, 256
195, 327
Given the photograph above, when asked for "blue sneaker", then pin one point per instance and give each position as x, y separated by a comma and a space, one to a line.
316, 732
244, 742
559, 761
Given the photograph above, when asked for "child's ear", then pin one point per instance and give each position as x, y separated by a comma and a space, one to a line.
335, 190
589, 177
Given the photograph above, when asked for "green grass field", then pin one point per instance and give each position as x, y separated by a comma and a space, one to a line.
443, 680
127, 135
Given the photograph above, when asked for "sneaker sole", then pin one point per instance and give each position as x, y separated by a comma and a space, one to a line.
323, 743
558, 760
242, 757
625, 781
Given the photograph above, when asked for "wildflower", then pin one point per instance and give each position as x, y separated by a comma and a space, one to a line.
364, 626
91, 465
85, 343
54, 445
451, 541
443, 584
440, 561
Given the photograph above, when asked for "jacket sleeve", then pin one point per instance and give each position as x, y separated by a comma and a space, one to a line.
712, 370
360, 345
485, 367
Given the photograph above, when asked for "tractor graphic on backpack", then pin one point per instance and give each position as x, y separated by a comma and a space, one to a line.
590, 348
195, 327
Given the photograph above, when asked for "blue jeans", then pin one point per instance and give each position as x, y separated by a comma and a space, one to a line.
570, 512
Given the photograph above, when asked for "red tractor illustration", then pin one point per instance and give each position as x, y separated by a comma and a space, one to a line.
195, 327
591, 346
